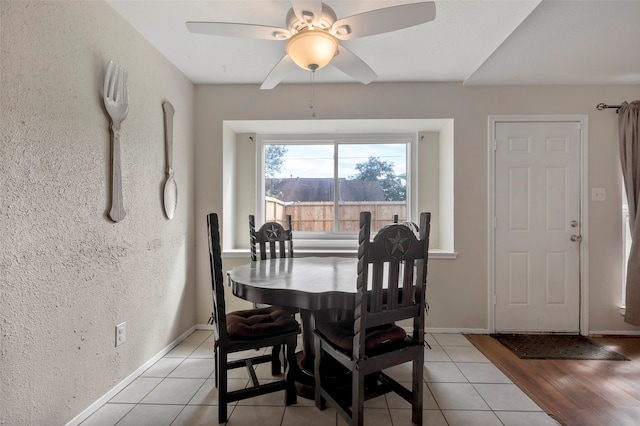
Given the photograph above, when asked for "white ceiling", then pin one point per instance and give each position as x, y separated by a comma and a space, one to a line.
478, 42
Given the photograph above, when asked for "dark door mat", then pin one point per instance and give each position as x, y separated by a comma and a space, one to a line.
555, 346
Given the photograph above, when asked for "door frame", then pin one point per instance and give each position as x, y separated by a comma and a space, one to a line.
583, 121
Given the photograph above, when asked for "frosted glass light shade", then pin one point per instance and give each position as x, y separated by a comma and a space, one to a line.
312, 49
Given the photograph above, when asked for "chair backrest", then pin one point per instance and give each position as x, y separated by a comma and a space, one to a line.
392, 277
272, 239
217, 279
411, 225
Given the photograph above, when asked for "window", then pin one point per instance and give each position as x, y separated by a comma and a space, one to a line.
324, 182
428, 176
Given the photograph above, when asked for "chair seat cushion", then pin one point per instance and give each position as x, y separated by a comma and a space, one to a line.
260, 323
341, 335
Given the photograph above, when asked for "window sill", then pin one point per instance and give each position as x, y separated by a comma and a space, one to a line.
244, 253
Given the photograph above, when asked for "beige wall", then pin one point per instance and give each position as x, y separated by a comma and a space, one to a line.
68, 274
458, 289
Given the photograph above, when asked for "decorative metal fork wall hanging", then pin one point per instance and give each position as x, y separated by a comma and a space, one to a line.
115, 94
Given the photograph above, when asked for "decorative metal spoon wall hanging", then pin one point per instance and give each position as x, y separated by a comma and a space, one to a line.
170, 185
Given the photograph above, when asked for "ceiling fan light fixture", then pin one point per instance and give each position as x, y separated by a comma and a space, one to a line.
312, 49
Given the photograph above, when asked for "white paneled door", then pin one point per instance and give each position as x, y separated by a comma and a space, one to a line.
537, 226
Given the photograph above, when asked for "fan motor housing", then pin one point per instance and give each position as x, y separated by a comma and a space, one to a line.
295, 24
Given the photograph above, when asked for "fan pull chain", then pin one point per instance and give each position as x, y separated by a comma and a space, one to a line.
312, 78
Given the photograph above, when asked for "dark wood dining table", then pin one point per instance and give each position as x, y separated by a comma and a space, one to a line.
323, 288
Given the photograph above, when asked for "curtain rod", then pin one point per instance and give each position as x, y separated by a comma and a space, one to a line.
602, 106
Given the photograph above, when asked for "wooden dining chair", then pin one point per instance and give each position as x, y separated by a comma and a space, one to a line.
391, 284
243, 330
271, 241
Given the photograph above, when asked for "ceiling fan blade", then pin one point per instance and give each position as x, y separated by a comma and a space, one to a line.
384, 20
347, 62
278, 73
308, 11
231, 29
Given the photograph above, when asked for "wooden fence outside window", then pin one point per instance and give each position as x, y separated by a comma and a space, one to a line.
318, 216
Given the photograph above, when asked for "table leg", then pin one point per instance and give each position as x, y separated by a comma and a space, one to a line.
305, 382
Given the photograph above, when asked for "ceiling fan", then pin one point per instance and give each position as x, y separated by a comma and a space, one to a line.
312, 35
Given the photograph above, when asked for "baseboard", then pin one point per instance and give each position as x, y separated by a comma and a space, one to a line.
486, 331
451, 330
614, 333
204, 327
131, 377
457, 330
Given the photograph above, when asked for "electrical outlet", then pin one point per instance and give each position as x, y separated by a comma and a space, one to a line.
121, 333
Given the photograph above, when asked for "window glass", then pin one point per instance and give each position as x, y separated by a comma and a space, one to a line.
299, 181
371, 177
324, 186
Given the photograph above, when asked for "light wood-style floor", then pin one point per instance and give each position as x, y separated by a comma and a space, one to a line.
576, 393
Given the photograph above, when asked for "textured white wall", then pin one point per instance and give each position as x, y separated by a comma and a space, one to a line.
458, 289
67, 273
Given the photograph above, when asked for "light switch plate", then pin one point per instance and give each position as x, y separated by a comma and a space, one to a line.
121, 333
598, 194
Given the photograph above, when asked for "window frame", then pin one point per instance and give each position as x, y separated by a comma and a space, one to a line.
335, 239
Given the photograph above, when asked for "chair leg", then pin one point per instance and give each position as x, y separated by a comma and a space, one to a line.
417, 390
222, 386
321, 404
283, 357
215, 364
291, 366
357, 397
275, 360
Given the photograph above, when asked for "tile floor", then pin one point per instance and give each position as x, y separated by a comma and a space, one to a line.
463, 388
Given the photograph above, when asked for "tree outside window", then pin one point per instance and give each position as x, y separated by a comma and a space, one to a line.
381, 171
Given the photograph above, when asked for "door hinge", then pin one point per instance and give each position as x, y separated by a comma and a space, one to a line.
495, 144
495, 299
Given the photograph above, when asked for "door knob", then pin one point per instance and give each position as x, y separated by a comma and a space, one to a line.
576, 238
573, 223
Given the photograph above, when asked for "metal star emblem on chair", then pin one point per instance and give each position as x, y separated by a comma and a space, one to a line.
272, 232
397, 244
